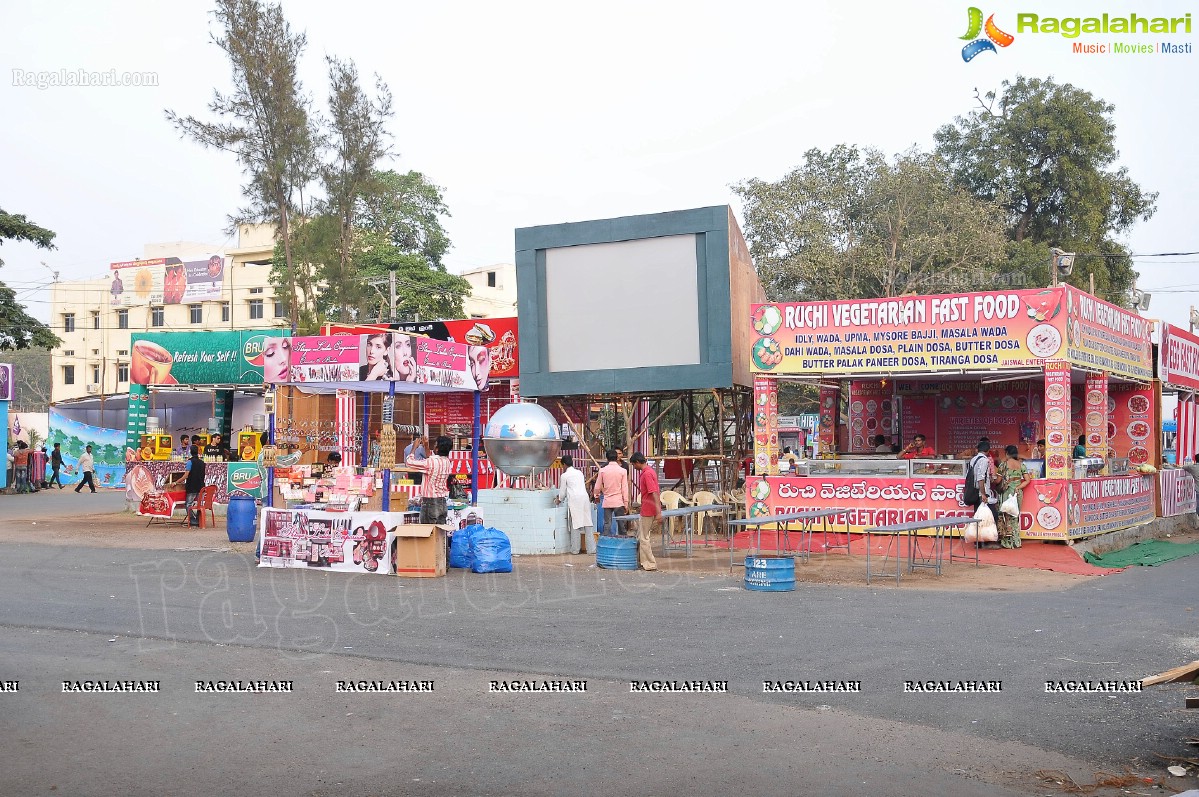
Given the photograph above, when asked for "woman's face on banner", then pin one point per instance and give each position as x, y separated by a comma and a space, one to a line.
276, 360
376, 349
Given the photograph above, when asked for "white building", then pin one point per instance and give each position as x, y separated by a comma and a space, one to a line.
96, 317
492, 291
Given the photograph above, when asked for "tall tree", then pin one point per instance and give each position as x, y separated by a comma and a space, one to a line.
1047, 153
408, 210
849, 223
18, 329
267, 124
357, 137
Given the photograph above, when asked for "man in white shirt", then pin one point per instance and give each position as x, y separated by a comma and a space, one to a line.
573, 490
86, 466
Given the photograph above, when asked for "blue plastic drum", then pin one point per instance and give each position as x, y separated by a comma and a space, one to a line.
616, 553
770, 573
240, 523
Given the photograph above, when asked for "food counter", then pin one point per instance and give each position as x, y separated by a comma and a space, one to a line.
145, 477
880, 466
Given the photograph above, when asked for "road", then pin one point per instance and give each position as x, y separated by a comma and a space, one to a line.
69, 614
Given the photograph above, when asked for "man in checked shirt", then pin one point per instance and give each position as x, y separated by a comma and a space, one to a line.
435, 487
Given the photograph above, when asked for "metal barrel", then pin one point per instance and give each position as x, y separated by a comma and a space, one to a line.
770, 573
617, 553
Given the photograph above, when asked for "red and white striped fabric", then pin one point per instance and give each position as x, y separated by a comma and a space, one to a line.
641, 427
347, 415
1187, 414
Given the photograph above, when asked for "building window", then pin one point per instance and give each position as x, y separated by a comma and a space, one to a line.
226, 311
280, 309
68, 322
122, 319
95, 374
122, 372
195, 313
122, 352
156, 319
68, 374
68, 352
255, 290
255, 309
95, 319
490, 279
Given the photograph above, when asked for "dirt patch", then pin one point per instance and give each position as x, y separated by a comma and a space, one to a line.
119, 530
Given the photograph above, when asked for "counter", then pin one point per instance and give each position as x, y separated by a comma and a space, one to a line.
144, 477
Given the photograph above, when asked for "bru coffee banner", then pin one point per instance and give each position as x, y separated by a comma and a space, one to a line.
244, 357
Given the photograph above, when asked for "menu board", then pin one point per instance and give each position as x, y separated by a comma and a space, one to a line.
918, 416
826, 434
1130, 427
766, 433
1095, 420
954, 415
870, 414
1057, 420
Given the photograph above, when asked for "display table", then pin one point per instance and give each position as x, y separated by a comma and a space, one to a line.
916, 558
688, 513
782, 527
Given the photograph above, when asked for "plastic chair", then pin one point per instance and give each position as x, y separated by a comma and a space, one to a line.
704, 498
672, 500
204, 502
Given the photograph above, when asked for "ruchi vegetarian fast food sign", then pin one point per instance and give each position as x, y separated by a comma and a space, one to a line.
971, 331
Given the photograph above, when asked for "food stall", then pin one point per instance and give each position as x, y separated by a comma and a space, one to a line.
1014, 366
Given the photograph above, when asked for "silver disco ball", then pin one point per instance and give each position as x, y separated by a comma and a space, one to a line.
522, 439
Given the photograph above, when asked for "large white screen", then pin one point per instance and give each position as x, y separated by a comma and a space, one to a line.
630, 304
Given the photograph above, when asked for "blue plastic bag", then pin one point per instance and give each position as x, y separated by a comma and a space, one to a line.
461, 553
491, 551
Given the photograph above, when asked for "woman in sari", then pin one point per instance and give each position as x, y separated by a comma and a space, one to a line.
1014, 477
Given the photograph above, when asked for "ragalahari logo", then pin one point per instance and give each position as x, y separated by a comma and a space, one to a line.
994, 35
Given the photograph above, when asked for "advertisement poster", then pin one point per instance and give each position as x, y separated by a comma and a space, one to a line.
1058, 442
920, 333
166, 280
1177, 492
766, 437
1178, 358
209, 358
454, 408
1095, 405
345, 542
870, 415
108, 450
498, 335
830, 413
145, 478
6, 382
1130, 429
331, 358
1109, 338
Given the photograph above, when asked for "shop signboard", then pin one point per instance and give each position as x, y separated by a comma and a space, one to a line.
326, 358
1178, 358
166, 280
6, 382
498, 335
1108, 503
208, 358
244, 476
1103, 336
1058, 442
957, 332
1177, 492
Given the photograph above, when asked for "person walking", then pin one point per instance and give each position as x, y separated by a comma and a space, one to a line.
982, 472
56, 465
580, 518
435, 488
86, 466
193, 485
1014, 477
651, 511
611, 490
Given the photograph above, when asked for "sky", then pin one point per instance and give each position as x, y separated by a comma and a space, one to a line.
530, 113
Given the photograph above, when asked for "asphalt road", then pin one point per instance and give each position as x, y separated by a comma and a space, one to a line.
78, 613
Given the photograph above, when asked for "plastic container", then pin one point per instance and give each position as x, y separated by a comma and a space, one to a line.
616, 553
770, 573
240, 523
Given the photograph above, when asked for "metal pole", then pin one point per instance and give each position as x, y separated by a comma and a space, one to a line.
366, 430
474, 450
391, 275
269, 497
391, 391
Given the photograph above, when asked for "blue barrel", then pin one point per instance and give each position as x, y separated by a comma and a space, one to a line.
770, 573
240, 522
617, 553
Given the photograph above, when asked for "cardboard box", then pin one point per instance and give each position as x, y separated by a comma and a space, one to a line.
419, 550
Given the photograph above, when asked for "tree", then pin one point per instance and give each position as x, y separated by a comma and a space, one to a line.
358, 139
421, 292
268, 126
849, 223
408, 209
31, 380
1046, 153
18, 329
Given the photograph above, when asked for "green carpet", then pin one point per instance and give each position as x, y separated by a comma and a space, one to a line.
1147, 552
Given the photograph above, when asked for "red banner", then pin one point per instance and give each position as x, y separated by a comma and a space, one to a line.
1095, 407
766, 424
1131, 431
826, 433
1058, 442
870, 414
1178, 358
499, 335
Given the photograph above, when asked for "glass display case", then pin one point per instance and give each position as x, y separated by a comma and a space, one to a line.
853, 467
938, 467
